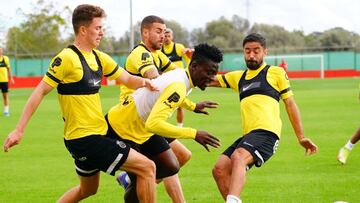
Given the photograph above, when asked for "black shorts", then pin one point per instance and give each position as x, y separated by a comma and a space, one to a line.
4, 87
155, 145
261, 144
96, 153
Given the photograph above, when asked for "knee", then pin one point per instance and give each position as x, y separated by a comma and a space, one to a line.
173, 168
217, 172
184, 157
148, 170
88, 192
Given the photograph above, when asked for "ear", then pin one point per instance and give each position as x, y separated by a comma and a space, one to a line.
82, 30
265, 52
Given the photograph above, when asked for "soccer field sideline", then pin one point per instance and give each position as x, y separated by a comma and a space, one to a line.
40, 169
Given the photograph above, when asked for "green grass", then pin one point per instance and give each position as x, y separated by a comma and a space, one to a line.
41, 170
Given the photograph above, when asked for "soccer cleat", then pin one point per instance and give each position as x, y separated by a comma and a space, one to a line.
343, 155
123, 180
7, 114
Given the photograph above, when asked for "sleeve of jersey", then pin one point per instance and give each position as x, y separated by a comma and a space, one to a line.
141, 61
188, 104
284, 84
169, 100
57, 69
111, 70
7, 61
229, 80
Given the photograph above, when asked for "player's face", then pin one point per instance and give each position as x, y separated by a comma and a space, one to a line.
156, 36
203, 73
94, 32
254, 55
168, 38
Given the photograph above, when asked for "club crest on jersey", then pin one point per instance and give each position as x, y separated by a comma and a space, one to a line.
144, 56
174, 97
57, 62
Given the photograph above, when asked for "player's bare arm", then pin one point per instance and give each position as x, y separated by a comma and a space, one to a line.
32, 104
294, 116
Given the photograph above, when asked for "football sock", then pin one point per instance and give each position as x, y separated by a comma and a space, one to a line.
6, 109
232, 199
180, 125
349, 145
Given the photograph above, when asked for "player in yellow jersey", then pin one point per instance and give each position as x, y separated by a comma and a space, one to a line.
77, 73
147, 60
176, 52
260, 88
140, 120
5, 75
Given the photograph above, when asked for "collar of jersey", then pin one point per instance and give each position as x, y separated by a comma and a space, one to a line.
188, 76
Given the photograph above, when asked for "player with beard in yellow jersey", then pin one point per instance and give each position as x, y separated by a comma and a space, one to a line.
77, 73
147, 60
260, 88
140, 120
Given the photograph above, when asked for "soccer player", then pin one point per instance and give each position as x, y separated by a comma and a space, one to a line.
345, 150
176, 52
147, 60
77, 72
5, 75
260, 88
140, 120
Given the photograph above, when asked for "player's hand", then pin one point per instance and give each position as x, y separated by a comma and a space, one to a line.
189, 52
204, 138
205, 104
12, 80
150, 85
310, 147
12, 139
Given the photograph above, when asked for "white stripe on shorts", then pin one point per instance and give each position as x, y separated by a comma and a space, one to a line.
85, 172
259, 156
112, 166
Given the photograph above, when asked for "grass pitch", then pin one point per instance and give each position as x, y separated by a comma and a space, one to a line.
41, 170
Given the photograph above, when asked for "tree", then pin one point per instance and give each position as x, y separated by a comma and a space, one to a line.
41, 32
181, 35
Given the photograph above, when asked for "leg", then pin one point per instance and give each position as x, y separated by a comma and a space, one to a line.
240, 159
182, 153
222, 174
356, 137
144, 169
6, 103
172, 183
180, 116
345, 150
88, 186
166, 164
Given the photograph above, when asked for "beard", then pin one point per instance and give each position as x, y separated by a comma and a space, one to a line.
253, 65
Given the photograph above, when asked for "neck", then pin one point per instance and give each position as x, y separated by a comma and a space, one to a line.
83, 45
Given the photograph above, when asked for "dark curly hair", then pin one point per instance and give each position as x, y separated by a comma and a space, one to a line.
205, 52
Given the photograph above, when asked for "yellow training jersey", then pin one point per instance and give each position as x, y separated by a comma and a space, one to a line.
145, 112
4, 67
140, 60
260, 91
77, 77
175, 52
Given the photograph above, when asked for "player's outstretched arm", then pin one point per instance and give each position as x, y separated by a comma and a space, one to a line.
200, 107
205, 139
294, 116
135, 82
32, 104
